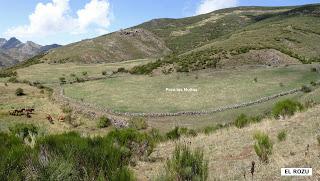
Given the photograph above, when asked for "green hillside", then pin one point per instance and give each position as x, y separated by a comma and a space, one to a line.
294, 33
205, 40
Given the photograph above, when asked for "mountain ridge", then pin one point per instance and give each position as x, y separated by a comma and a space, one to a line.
13, 51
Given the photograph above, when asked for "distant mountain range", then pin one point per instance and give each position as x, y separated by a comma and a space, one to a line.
13, 51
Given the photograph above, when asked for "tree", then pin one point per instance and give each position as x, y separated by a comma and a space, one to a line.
19, 92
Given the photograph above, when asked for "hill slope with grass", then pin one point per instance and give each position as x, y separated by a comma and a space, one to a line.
230, 151
246, 36
119, 46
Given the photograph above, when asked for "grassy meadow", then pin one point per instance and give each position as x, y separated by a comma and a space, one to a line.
215, 89
50, 73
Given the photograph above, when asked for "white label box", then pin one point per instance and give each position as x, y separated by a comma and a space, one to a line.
294, 172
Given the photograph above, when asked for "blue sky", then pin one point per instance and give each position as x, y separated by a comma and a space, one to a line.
66, 21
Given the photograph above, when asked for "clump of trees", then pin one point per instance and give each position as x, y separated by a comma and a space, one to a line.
286, 108
263, 146
186, 164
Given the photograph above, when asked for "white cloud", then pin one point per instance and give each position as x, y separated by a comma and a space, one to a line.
55, 17
207, 6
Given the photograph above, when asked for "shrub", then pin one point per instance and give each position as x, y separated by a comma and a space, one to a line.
19, 92
13, 79
24, 130
104, 72
138, 123
263, 146
210, 129
306, 89
7, 73
79, 79
84, 73
286, 108
121, 69
241, 121
282, 135
313, 83
255, 79
281, 84
313, 69
192, 133
66, 109
186, 164
173, 134
62, 80
318, 139
155, 135
104, 122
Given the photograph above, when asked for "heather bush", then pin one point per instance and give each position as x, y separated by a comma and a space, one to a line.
186, 164
286, 108
70, 156
104, 122
263, 146
138, 123
282, 136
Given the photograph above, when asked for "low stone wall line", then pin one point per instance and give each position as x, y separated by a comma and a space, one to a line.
201, 112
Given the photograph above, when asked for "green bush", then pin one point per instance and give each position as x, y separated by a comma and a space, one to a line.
104, 72
66, 109
72, 157
210, 129
62, 80
24, 130
186, 164
138, 123
318, 139
173, 134
13, 79
282, 136
263, 146
104, 122
306, 89
121, 69
286, 108
313, 83
7, 73
19, 92
241, 121
84, 73
155, 135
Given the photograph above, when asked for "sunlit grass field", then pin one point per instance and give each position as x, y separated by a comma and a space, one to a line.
50, 73
215, 89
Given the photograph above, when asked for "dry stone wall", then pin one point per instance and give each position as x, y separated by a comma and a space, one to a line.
94, 110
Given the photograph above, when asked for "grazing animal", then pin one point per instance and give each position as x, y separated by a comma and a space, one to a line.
61, 118
50, 119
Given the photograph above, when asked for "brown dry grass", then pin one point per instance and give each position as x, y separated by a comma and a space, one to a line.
43, 106
230, 151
